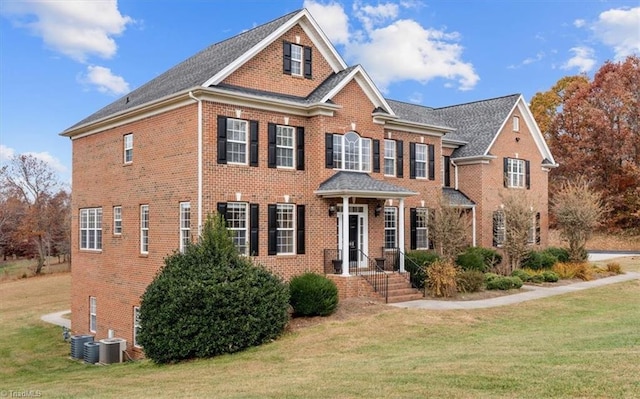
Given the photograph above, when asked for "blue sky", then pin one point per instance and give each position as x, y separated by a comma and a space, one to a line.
60, 61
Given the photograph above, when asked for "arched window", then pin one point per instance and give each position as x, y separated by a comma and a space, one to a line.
351, 152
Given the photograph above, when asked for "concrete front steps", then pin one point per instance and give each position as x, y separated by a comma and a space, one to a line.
400, 289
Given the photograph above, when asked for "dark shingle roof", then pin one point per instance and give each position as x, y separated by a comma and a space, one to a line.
456, 198
476, 123
356, 182
194, 71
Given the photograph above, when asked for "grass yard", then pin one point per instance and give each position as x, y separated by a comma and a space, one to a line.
13, 269
585, 344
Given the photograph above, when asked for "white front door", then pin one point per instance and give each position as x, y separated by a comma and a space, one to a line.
358, 238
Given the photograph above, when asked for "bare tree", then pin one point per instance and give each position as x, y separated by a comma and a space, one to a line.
448, 227
578, 210
32, 181
518, 220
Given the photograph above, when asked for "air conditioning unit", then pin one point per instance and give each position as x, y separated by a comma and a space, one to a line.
77, 345
91, 352
111, 350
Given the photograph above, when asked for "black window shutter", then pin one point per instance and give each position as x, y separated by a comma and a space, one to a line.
505, 171
400, 158
271, 133
253, 147
222, 139
300, 229
447, 171
376, 156
307, 62
527, 171
414, 233
495, 228
431, 217
300, 148
328, 150
538, 228
272, 230
432, 162
222, 209
286, 58
254, 228
412, 161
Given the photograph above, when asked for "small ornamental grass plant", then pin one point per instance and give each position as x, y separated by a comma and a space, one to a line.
442, 279
313, 295
570, 270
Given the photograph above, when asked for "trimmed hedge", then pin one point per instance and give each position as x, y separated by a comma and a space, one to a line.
209, 301
479, 258
504, 283
313, 295
539, 260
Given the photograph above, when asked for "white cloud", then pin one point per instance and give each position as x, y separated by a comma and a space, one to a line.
331, 18
6, 153
620, 29
52, 161
75, 28
579, 23
583, 59
417, 53
529, 60
105, 80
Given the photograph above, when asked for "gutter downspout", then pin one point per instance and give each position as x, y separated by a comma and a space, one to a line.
199, 161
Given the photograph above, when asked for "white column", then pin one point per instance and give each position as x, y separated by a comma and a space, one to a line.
473, 226
345, 236
401, 232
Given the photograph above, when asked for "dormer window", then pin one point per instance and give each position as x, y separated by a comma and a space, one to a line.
296, 60
516, 123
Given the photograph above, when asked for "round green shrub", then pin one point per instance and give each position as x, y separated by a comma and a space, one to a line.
550, 277
470, 281
416, 263
537, 278
560, 253
209, 300
313, 295
504, 283
521, 274
490, 276
471, 260
539, 260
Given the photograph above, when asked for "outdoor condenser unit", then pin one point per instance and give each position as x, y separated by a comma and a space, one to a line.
111, 350
77, 345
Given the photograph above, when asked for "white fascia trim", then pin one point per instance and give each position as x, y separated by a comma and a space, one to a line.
335, 60
480, 159
160, 106
367, 86
502, 125
414, 127
535, 131
449, 143
363, 194
214, 94
322, 42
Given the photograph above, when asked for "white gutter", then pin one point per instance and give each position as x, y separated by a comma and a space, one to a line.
199, 162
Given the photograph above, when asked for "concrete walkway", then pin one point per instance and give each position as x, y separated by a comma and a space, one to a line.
533, 292
57, 319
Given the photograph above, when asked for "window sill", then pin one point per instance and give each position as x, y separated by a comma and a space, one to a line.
127, 164
143, 255
90, 251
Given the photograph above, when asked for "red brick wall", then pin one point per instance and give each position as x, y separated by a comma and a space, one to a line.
264, 72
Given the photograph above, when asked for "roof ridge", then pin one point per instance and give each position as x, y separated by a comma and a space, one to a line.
479, 101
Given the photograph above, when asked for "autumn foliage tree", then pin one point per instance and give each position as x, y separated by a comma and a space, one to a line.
35, 209
592, 127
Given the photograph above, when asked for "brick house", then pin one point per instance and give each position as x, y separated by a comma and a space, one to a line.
303, 156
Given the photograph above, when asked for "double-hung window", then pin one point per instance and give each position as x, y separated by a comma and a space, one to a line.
390, 227
389, 158
144, 229
285, 219
91, 228
93, 314
128, 148
238, 223
185, 225
136, 325
285, 145
296, 60
422, 229
351, 152
237, 134
421, 161
117, 220
516, 173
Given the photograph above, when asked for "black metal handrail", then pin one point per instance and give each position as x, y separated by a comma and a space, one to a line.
374, 273
392, 256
